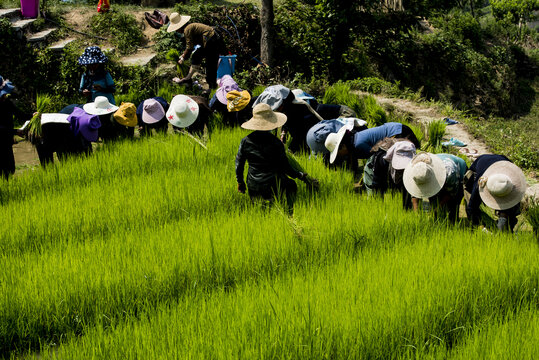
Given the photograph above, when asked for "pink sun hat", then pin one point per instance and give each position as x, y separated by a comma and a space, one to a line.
226, 84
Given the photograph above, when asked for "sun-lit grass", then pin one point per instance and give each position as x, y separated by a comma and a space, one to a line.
146, 250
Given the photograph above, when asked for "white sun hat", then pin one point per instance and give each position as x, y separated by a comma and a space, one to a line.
333, 141
100, 106
424, 176
177, 21
183, 111
502, 186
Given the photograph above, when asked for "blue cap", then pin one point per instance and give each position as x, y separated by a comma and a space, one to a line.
273, 95
316, 136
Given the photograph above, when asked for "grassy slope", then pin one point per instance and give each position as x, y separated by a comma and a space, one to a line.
146, 248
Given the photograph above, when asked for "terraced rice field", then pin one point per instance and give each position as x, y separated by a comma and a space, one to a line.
145, 250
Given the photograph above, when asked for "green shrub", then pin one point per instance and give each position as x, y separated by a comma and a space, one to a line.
122, 28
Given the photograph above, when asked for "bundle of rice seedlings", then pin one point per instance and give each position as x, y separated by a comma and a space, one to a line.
173, 56
436, 132
531, 214
43, 104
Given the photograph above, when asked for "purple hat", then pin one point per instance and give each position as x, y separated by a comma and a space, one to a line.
226, 84
6, 87
152, 111
84, 123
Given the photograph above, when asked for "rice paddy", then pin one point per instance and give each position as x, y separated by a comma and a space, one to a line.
145, 250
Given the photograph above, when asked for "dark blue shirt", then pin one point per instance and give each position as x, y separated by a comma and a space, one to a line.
479, 166
364, 140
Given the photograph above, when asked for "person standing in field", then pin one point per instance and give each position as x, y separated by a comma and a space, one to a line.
270, 174
8, 111
211, 46
438, 178
499, 184
96, 80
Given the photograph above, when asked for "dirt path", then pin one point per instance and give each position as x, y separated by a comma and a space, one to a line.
474, 148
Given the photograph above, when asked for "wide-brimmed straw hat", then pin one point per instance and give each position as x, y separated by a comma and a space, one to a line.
502, 185
92, 55
57, 118
152, 111
6, 87
333, 141
273, 95
264, 119
400, 154
183, 111
100, 106
424, 176
226, 84
126, 114
237, 100
177, 21
84, 123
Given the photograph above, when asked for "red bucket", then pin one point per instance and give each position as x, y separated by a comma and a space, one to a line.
29, 8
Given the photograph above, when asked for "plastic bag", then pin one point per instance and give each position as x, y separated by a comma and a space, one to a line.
103, 6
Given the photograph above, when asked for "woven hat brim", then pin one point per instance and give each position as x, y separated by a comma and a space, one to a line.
263, 124
430, 188
517, 179
184, 20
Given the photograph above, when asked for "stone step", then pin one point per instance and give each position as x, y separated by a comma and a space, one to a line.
40, 36
21, 24
10, 13
138, 60
59, 46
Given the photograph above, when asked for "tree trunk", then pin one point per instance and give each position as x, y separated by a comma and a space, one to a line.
267, 38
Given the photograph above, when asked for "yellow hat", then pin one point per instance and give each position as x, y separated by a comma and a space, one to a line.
126, 115
237, 100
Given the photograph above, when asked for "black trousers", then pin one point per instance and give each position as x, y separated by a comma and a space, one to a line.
58, 138
214, 47
7, 160
283, 188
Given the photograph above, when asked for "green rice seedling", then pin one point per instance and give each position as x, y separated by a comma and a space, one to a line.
168, 90
259, 89
531, 214
436, 132
43, 102
173, 55
413, 298
149, 241
505, 336
375, 115
340, 93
